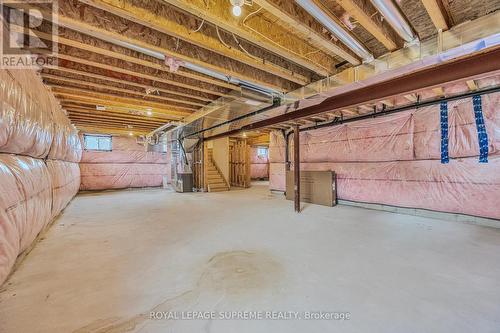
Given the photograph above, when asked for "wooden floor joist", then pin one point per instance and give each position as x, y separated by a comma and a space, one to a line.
93, 106
105, 121
76, 115
110, 130
130, 83
114, 112
438, 14
143, 16
68, 97
268, 36
307, 26
106, 49
107, 114
97, 30
362, 11
99, 123
174, 109
137, 74
50, 78
439, 91
120, 38
472, 85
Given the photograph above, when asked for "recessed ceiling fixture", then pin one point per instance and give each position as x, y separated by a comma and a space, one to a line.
130, 133
149, 113
100, 108
236, 11
237, 4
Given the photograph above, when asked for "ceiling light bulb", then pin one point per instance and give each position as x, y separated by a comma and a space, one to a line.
236, 11
149, 113
130, 133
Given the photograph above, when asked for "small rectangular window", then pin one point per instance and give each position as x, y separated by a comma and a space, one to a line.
97, 142
262, 151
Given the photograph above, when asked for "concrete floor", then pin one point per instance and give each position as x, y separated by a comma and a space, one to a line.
115, 257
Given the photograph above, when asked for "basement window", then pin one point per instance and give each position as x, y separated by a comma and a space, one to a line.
97, 142
262, 151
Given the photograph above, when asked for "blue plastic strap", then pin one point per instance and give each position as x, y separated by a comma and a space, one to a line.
482, 136
444, 133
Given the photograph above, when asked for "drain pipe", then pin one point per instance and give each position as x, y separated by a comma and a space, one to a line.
397, 21
286, 136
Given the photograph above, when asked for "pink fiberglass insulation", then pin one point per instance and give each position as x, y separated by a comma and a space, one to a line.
65, 181
66, 144
104, 176
259, 171
32, 121
26, 126
127, 165
259, 165
395, 160
25, 206
33, 191
124, 150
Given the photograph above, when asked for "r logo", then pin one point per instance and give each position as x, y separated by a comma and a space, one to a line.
29, 33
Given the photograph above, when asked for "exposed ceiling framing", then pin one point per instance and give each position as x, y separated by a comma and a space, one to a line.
259, 29
111, 53
363, 12
437, 13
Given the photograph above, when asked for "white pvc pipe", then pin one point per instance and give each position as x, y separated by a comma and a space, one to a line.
335, 29
395, 19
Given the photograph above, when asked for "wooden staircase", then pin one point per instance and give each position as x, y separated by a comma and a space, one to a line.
215, 180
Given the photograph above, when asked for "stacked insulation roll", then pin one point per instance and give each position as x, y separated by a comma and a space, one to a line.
39, 155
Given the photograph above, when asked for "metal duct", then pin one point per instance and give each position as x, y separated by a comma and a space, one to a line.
332, 26
394, 17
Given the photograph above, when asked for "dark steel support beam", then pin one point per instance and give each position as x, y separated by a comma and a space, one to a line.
477, 64
461, 68
296, 166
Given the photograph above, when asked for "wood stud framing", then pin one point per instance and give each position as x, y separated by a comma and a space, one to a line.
239, 163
